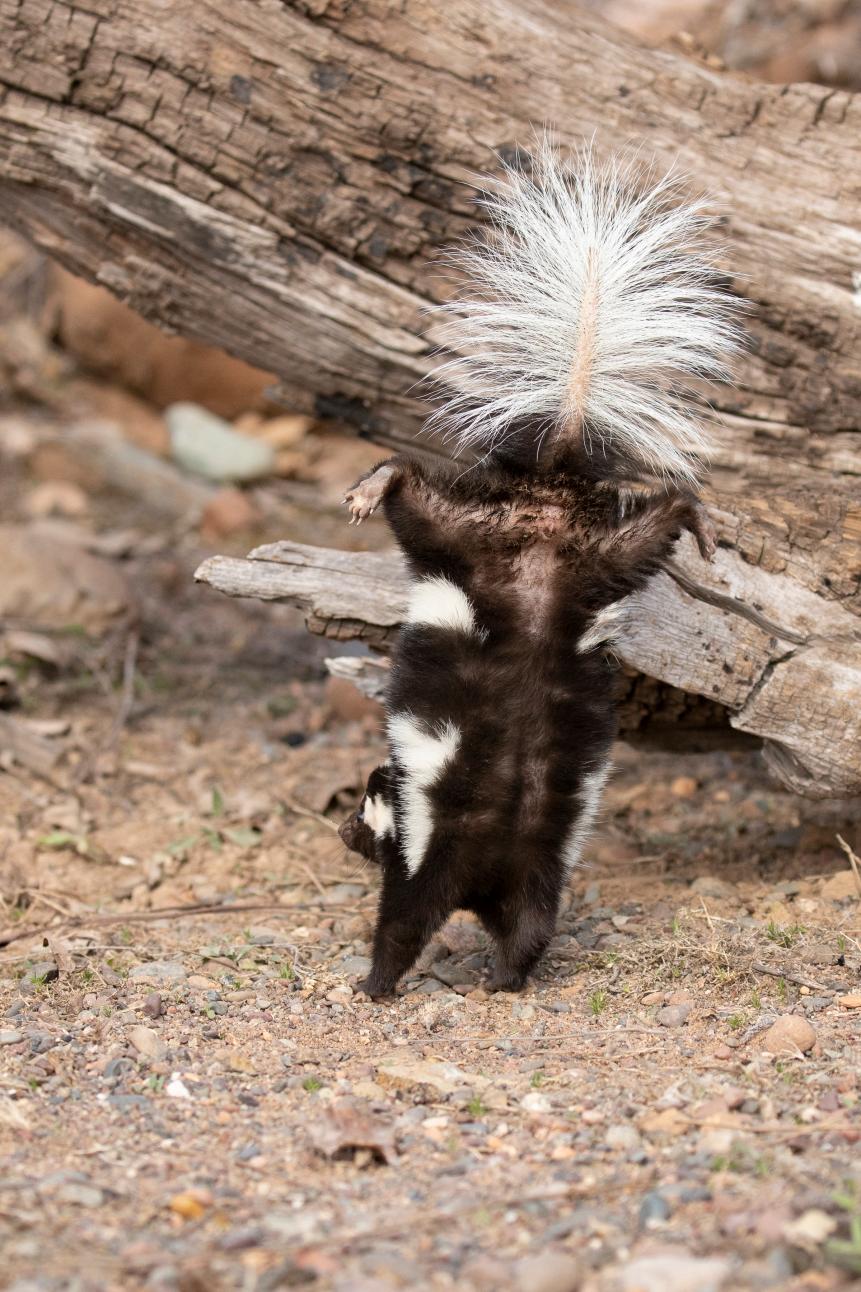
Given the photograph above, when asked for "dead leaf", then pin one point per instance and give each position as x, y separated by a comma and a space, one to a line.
352, 1124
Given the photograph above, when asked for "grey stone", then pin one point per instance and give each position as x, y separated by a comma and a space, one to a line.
548, 1272
622, 1136
356, 966
711, 886
673, 1272
209, 446
159, 972
654, 1207
10, 1037
673, 1015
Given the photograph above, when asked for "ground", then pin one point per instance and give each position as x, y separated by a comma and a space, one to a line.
193, 1094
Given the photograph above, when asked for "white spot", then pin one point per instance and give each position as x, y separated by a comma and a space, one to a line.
442, 603
603, 627
587, 799
856, 286
422, 756
379, 816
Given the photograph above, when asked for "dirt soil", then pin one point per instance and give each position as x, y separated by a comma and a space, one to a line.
194, 1096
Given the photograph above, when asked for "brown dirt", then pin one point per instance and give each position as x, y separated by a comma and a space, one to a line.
269, 1127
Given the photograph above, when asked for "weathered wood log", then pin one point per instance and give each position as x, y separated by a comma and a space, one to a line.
276, 178
756, 638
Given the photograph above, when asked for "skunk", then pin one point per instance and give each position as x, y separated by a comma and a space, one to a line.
592, 301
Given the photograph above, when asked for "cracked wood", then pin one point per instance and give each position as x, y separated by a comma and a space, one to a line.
277, 179
783, 660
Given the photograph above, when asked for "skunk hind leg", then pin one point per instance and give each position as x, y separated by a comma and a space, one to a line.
410, 912
522, 931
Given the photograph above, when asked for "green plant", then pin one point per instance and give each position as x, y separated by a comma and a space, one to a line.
312, 1084
598, 1001
782, 991
475, 1107
536, 1080
783, 937
846, 1252
736, 1021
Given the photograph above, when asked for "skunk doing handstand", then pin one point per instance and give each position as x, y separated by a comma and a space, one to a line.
591, 297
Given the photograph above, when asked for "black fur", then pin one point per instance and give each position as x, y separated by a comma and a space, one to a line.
538, 548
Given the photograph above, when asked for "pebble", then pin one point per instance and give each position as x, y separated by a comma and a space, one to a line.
210, 447
11, 1038
673, 1272
711, 886
684, 787
622, 1136
428, 986
153, 1005
789, 1034
851, 1001
840, 886
119, 1067
654, 1208
147, 1042
356, 966
535, 1102
158, 972
44, 971
673, 1015
548, 1272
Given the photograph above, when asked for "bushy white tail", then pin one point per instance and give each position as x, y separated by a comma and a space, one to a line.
591, 302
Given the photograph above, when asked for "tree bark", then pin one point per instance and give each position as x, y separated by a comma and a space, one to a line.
276, 177
757, 638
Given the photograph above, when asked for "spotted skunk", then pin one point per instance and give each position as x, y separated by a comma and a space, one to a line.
591, 297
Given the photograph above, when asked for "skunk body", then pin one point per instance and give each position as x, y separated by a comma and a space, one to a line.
500, 705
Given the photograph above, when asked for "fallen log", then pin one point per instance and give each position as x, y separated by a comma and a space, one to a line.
756, 638
275, 179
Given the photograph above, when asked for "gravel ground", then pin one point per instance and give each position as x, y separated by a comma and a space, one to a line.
193, 1095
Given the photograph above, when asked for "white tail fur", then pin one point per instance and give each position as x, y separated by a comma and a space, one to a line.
592, 302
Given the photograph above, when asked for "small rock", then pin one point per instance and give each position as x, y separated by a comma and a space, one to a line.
852, 1001
673, 1272
339, 995
840, 886
654, 1209
44, 971
201, 983
622, 1136
158, 972
789, 1035
548, 1272
80, 1195
153, 1005
673, 1015
229, 512
176, 1088
11, 1038
429, 1078
147, 1042
711, 886
810, 1229
208, 446
684, 787
119, 1067
535, 1102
